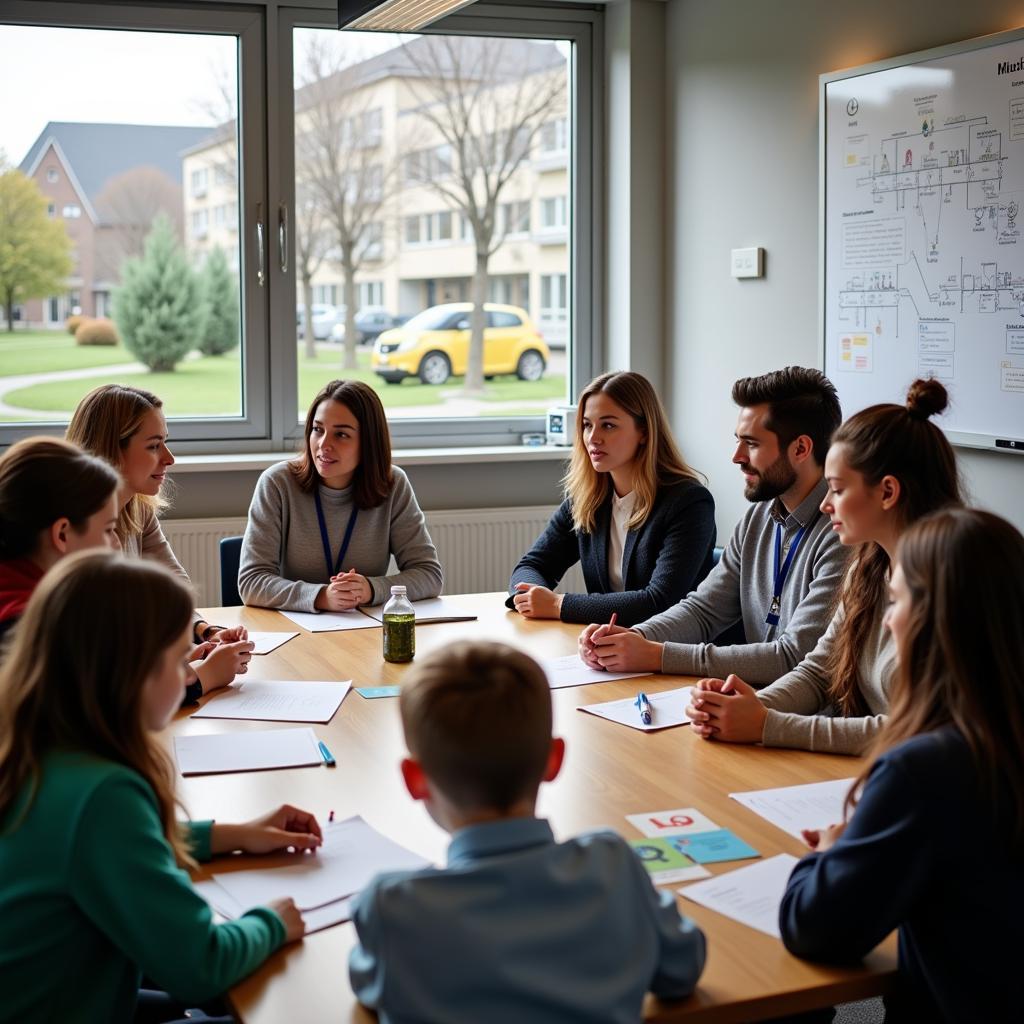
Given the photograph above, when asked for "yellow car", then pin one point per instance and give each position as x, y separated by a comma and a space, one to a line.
434, 345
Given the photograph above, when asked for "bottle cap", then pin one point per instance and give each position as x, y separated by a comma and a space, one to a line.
398, 591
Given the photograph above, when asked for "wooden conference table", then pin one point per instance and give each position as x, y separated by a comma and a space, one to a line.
610, 771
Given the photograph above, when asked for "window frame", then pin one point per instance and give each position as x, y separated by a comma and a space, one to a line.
584, 28
251, 429
271, 414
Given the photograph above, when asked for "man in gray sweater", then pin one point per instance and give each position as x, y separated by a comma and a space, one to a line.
783, 565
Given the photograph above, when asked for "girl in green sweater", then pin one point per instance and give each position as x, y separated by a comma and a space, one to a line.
93, 887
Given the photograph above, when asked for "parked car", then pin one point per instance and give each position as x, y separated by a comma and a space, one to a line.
324, 319
434, 345
371, 321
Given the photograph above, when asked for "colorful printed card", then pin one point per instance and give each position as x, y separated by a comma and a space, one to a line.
681, 821
666, 864
713, 847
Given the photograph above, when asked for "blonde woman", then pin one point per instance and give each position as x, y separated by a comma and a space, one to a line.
635, 515
126, 426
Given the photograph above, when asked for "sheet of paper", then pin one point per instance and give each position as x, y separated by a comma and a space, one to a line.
678, 822
750, 895
664, 863
273, 700
351, 855
316, 920
331, 622
712, 847
372, 692
792, 808
432, 609
668, 709
246, 751
267, 642
571, 671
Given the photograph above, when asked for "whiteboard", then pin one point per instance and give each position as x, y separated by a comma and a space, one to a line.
922, 233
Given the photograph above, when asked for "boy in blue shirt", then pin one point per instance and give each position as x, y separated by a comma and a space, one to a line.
517, 927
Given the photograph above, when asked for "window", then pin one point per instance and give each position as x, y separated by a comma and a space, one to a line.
371, 293
554, 136
553, 213
553, 297
51, 210
499, 319
193, 66
71, 211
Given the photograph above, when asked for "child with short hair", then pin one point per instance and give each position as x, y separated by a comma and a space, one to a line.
517, 927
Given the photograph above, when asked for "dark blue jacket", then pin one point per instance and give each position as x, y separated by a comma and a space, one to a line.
662, 561
922, 853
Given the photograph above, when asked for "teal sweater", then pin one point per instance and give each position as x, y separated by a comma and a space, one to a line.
91, 897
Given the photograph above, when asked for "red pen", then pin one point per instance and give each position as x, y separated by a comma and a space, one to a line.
611, 621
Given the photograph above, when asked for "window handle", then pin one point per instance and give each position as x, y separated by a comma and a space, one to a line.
282, 236
261, 248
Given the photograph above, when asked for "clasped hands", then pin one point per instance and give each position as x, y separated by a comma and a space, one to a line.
216, 662
345, 591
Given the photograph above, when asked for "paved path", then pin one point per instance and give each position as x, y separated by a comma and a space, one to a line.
8, 384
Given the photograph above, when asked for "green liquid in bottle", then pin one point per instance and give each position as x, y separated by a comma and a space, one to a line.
399, 637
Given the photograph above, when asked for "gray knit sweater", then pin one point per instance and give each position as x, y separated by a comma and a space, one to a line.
282, 561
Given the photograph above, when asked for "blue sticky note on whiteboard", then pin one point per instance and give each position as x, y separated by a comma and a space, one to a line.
712, 847
378, 691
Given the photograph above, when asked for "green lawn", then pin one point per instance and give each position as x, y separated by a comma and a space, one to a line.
46, 351
210, 385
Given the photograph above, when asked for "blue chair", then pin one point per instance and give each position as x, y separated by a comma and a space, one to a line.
716, 555
230, 554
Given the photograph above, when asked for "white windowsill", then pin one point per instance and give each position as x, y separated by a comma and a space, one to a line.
258, 461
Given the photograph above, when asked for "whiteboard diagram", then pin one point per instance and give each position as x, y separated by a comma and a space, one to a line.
922, 254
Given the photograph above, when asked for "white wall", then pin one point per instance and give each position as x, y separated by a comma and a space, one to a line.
742, 138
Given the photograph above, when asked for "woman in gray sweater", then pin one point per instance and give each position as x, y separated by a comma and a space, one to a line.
887, 467
323, 527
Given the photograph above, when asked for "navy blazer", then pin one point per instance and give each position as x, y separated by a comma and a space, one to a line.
661, 562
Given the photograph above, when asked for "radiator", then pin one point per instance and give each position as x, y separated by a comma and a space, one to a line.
477, 548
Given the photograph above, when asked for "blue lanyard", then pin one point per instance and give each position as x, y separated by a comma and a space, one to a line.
325, 539
781, 572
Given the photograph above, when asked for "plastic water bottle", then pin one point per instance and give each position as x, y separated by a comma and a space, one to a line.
399, 628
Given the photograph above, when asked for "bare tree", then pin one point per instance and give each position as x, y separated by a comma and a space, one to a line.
127, 206
486, 99
312, 243
339, 157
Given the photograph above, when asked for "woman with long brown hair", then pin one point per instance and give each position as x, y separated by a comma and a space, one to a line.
887, 467
91, 855
635, 515
945, 779
323, 527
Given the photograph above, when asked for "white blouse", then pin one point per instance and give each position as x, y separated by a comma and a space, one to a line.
622, 509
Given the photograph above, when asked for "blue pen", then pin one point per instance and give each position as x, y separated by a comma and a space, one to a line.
326, 755
645, 708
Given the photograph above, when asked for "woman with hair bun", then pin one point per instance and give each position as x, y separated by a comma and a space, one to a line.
888, 466
635, 515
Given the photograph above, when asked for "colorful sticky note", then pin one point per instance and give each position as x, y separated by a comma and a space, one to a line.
664, 863
369, 692
712, 847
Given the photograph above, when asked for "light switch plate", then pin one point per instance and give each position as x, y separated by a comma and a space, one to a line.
748, 262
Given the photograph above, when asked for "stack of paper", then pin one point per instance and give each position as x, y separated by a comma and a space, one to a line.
570, 670
668, 709
433, 609
815, 805
270, 700
320, 883
247, 751
330, 622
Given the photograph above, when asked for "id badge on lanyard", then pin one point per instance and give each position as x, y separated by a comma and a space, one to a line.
326, 540
782, 571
